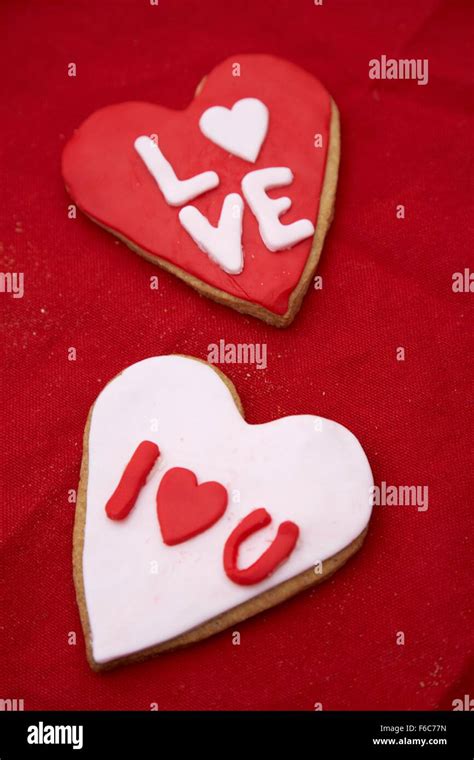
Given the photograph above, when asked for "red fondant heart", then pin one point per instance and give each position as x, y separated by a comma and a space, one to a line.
109, 181
186, 508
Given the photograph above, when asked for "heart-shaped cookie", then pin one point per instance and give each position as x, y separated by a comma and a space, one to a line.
297, 507
171, 183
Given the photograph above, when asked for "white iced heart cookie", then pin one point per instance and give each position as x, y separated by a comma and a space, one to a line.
240, 130
152, 573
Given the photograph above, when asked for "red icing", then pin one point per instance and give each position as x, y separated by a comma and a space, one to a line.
186, 508
132, 480
279, 550
109, 181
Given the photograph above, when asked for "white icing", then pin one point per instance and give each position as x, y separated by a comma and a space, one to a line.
240, 130
275, 235
140, 592
223, 243
175, 191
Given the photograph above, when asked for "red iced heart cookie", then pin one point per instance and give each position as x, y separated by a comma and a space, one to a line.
272, 115
186, 508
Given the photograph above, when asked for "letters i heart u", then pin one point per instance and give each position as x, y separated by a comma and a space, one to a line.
234, 194
191, 525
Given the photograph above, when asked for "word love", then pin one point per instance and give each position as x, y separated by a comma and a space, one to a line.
241, 131
185, 509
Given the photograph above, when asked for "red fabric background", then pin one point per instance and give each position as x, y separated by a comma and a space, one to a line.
387, 283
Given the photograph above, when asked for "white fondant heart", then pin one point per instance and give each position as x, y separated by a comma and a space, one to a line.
240, 130
141, 592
